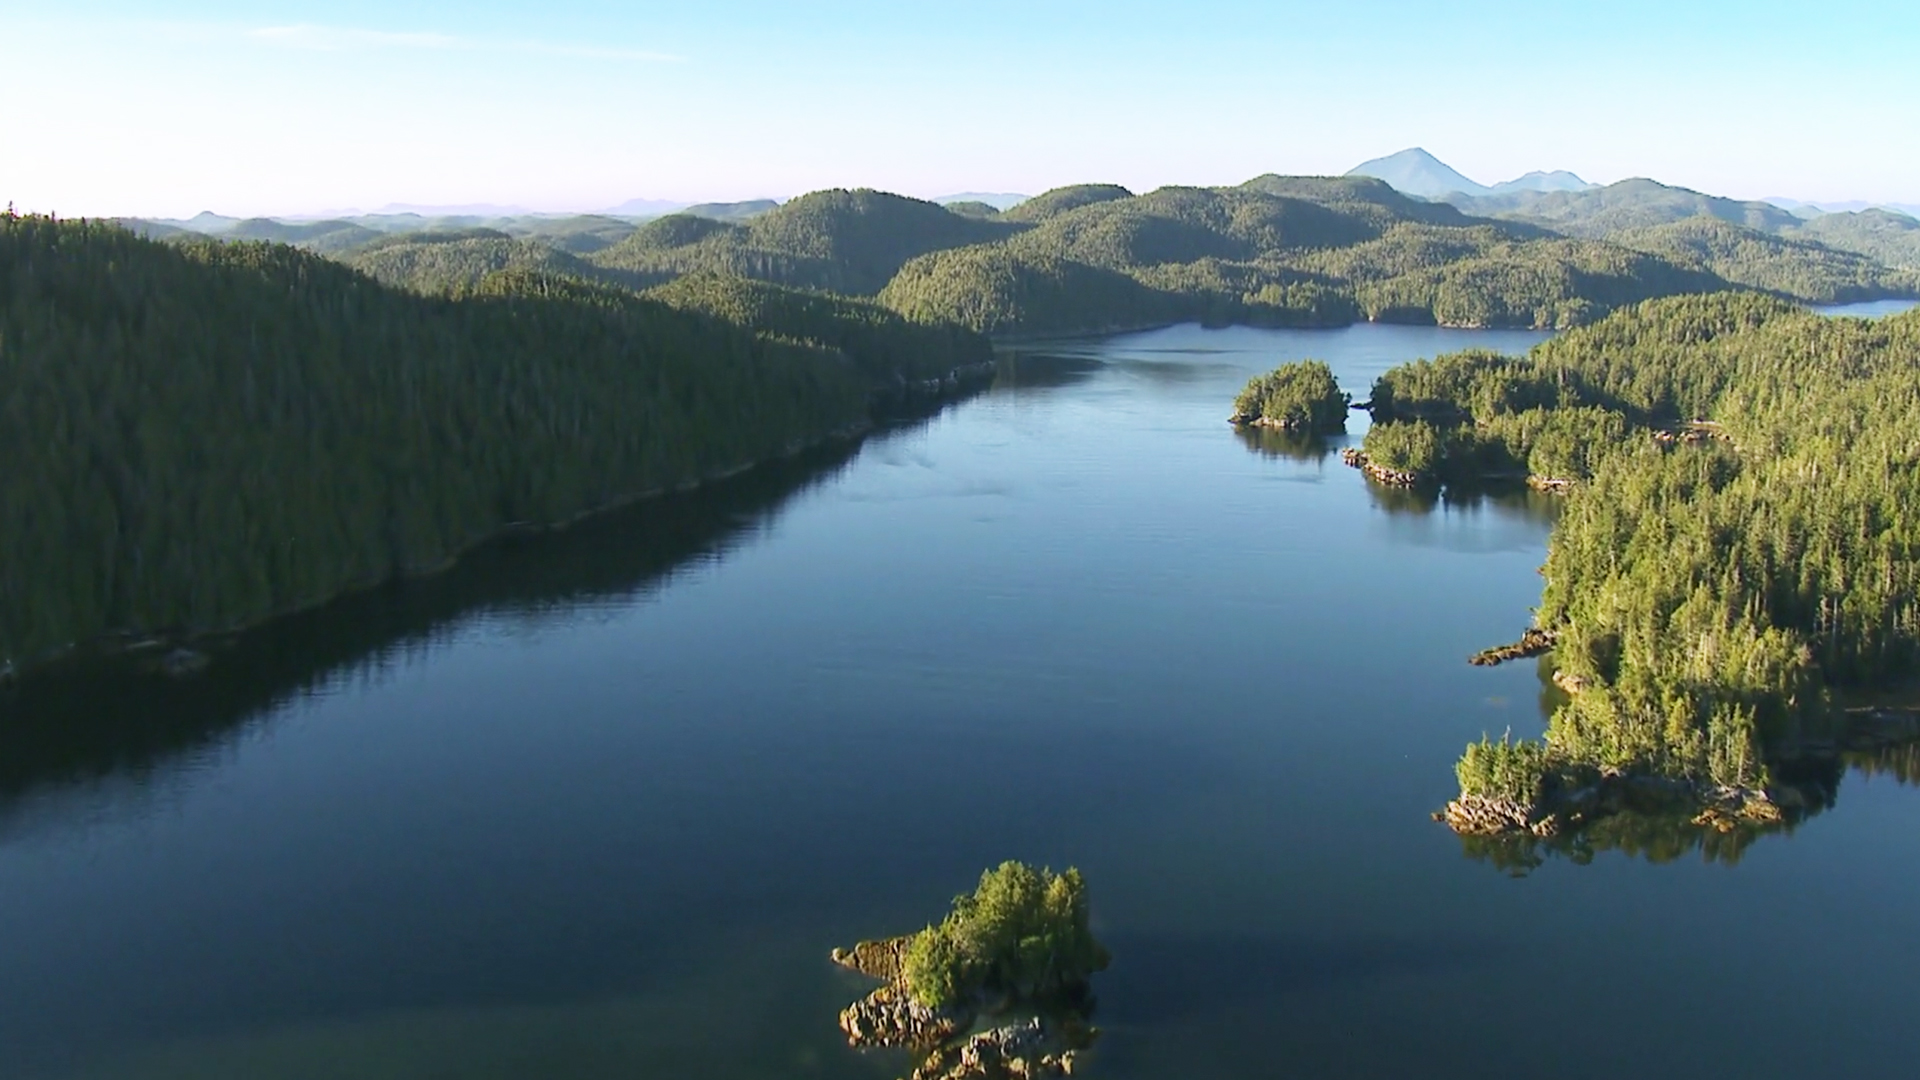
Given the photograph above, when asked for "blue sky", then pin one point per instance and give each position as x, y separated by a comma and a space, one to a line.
287, 107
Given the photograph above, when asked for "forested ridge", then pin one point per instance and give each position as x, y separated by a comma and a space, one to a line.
1738, 542
200, 436
1276, 250
1621, 210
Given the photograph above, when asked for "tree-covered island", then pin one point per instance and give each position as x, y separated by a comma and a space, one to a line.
1737, 555
1300, 397
1016, 953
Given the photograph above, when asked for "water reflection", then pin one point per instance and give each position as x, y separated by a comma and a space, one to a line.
1803, 788
117, 721
1288, 445
1019, 369
1510, 500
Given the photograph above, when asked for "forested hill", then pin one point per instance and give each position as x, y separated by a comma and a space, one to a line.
1278, 250
1631, 206
200, 436
1281, 250
1737, 539
849, 242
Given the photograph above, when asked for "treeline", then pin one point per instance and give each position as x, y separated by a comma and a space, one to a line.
1740, 538
198, 437
889, 349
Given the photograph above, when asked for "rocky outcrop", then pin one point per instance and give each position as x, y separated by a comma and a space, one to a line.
883, 959
1299, 426
1562, 807
1024, 1051
1043, 1045
1567, 804
1552, 485
891, 1017
1535, 642
1391, 477
1568, 681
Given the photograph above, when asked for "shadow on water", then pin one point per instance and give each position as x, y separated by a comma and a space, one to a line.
1162, 978
119, 718
1018, 370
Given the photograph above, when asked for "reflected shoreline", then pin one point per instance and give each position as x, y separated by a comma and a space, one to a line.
90, 718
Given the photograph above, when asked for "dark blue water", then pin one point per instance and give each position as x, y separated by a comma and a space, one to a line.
598, 805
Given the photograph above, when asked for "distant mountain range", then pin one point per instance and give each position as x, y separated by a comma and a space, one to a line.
1801, 208
999, 200
1416, 172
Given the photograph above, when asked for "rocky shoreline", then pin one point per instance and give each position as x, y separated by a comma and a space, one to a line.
947, 1041
1563, 807
1535, 642
1358, 459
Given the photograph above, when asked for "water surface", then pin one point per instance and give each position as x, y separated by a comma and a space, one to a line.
598, 805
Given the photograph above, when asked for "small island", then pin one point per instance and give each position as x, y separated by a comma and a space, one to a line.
999, 988
1300, 397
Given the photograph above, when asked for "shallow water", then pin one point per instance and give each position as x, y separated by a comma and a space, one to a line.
598, 805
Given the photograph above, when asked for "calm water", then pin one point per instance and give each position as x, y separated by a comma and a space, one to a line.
599, 805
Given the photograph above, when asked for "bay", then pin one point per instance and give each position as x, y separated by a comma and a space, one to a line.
598, 804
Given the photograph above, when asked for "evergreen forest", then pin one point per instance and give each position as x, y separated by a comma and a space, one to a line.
1737, 548
201, 435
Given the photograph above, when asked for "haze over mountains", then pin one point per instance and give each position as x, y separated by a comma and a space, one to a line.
1416, 172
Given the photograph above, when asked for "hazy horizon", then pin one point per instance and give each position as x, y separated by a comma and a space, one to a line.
294, 109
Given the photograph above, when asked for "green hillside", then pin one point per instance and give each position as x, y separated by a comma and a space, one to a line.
1885, 237
848, 242
1631, 207
325, 237
1796, 268
580, 235
888, 349
1629, 204
456, 261
1328, 251
201, 436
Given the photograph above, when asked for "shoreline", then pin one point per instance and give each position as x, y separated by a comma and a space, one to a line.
178, 647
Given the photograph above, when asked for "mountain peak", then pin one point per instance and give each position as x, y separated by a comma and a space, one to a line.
1416, 172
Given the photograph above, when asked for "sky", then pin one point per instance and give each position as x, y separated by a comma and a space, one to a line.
118, 107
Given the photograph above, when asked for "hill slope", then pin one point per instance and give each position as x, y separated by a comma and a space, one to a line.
849, 242
201, 436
